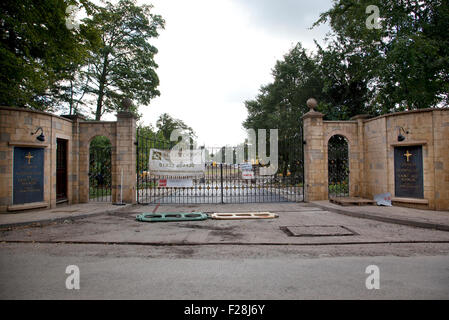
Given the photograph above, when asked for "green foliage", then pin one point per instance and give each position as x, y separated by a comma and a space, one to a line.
404, 65
38, 52
406, 62
338, 189
100, 167
166, 124
345, 92
338, 85
124, 66
97, 191
100, 142
148, 138
281, 103
160, 138
46, 66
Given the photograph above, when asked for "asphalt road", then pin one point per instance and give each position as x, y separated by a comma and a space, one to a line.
121, 258
120, 272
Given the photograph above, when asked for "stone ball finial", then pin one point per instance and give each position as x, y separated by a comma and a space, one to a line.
127, 103
312, 103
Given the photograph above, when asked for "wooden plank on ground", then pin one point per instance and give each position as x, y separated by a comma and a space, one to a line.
351, 201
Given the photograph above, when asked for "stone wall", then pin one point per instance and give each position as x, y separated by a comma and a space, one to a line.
441, 158
315, 182
126, 157
87, 132
349, 130
15, 127
371, 154
122, 135
375, 158
427, 128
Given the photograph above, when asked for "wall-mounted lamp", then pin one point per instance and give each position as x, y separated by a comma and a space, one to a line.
400, 136
40, 137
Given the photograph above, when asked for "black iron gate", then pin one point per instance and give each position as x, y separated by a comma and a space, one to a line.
100, 170
225, 181
338, 167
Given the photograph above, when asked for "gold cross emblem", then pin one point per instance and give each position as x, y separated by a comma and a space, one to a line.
408, 155
29, 157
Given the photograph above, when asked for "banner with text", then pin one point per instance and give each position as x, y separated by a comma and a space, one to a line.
188, 163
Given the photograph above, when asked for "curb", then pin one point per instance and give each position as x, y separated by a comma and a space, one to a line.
410, 223
185, 243
43, 222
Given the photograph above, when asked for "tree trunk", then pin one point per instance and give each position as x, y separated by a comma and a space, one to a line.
102, 82
71, 97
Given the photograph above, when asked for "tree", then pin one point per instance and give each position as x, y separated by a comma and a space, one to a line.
166, 124
124, 66
148, 137
281, 103
345, 92
38, 51
403, 65
407, 59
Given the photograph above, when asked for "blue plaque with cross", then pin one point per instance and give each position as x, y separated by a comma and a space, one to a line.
28, 175
408, 172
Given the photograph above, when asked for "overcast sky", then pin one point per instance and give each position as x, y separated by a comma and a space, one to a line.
214, 55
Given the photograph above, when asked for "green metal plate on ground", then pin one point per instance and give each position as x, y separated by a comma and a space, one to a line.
171, 216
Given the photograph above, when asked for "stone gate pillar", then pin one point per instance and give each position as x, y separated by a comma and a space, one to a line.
315, 184
125, 156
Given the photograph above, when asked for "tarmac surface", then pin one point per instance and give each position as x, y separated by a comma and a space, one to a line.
399, 215
60, 213
121, 258
38, 272
121, 227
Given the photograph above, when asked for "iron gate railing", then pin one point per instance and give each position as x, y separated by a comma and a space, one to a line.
223, 182
100, 172
338, 167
